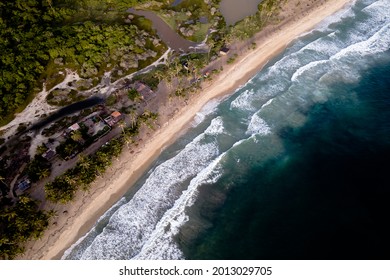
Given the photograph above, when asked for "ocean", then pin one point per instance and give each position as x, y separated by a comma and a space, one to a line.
292, 165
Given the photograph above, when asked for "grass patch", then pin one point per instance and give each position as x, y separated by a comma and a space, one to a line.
200, 32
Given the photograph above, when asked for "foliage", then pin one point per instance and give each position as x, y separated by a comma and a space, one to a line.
63, 188
38, 168
250, 25
39, 38
151, 78
133, 94
19, 223
69, 148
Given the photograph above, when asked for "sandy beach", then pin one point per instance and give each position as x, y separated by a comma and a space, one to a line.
77, 218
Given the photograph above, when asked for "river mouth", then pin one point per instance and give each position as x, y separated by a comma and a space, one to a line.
234, 11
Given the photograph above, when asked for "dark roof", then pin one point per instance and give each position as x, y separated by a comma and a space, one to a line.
49, 154
24, 185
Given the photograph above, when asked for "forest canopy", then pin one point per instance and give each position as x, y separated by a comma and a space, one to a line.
83, 35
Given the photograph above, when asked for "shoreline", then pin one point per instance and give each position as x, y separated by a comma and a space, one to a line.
82, 213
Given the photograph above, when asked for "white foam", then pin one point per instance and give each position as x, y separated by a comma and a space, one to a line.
243, 101
258, 126
378, 9
267, 103
161, 244
73, 252
216, 127
145, 227
131, 225
319, 45
207, 110
306, 68
379, 42
339, 16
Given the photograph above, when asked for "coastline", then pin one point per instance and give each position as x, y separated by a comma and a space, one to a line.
81, 214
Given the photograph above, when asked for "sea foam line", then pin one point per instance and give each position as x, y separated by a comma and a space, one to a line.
133, 222
161, 244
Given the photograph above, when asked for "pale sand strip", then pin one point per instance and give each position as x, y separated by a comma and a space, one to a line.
128, 170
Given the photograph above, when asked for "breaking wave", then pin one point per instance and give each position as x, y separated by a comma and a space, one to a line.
145, 226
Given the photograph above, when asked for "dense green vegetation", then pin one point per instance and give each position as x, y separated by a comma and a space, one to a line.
41, 37
63, 188
19, 223
249, 26
38, 168
192, 18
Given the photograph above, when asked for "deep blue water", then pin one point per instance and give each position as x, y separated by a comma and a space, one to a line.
326, 197
292, 165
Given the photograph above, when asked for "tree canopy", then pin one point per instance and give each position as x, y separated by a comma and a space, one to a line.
39, 37
19, 223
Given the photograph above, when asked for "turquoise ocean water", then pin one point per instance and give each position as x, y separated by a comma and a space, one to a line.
293, 165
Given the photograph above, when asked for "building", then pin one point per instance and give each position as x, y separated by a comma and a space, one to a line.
23, 185
224, 51
49, 154
144, 90
94, 125
74, 127
113, 119
71, 128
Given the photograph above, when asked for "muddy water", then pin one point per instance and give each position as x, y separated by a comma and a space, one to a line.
236, 10
169, 36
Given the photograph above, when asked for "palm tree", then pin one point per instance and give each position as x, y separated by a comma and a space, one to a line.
9, 215
84, 163
159, 75
69, 179
41, 149
122, 125
133, 117
77, 136
127, 139
43, 173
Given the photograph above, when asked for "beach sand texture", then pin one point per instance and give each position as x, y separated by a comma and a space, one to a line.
77, 218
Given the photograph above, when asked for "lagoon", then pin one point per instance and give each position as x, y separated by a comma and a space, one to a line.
234, 11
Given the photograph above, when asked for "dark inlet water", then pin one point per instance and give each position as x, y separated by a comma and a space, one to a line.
293, 165
67, 110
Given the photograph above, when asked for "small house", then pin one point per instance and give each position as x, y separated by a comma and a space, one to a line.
74, 127
23, 185
90, 125
144, 90
71, 128
224, 51
49, 154
113, 119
